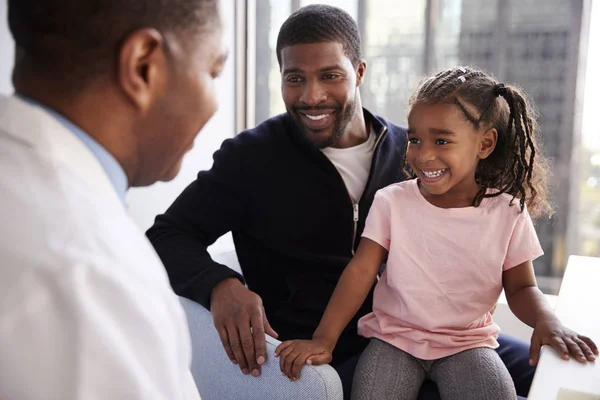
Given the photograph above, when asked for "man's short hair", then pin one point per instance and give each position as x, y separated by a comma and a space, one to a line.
319, 23
81, 37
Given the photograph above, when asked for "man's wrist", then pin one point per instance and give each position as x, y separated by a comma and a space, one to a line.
223, 285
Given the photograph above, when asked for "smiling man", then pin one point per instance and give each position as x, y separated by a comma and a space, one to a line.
295, 192
320, 91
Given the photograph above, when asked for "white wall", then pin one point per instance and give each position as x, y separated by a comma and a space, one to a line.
146, 203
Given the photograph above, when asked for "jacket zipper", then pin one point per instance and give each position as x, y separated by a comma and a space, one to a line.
355, 215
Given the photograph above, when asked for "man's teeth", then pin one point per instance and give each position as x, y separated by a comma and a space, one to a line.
433, 174
316, 117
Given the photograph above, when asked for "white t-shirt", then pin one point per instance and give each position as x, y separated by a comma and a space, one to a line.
354, 164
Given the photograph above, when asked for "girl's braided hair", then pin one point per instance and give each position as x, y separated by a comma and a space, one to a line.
517, 165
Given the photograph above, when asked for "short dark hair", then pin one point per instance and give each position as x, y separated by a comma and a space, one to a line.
319, 23
81, 37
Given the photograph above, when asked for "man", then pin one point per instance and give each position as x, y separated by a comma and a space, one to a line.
109, 94
295, 192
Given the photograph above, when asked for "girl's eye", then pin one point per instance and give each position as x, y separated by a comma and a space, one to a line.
413, 141
441, 141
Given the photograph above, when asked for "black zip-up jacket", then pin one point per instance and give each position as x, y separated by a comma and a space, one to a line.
294, 225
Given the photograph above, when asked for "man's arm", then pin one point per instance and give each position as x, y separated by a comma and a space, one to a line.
208, 208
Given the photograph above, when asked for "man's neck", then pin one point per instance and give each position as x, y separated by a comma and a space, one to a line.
356, 133
84, 113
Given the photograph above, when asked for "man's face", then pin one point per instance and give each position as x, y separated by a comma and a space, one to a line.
319, 85
186, 105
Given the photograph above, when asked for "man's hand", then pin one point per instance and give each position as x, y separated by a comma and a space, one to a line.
240, 319
293, 354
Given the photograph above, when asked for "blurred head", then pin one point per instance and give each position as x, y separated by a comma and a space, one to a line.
318, 49
144, 69
469, 132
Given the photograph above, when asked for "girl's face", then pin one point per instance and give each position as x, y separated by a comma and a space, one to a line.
444, 150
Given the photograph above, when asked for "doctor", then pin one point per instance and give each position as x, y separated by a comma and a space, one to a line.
110, 94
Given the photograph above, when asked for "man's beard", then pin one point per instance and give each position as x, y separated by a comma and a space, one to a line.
343, 117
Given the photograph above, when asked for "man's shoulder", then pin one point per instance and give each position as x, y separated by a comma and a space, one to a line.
67, 229
267, 131
48, 205
260, 140
394, 130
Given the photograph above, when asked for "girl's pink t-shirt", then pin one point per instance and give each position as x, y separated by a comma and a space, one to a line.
444, 269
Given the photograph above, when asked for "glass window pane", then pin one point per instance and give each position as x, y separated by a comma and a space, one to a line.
394, 50
350, 6
270, 15
588, 222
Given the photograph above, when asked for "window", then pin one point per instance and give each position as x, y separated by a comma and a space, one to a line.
539, 45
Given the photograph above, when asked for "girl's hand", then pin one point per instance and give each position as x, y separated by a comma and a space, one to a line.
293, 354
564, 340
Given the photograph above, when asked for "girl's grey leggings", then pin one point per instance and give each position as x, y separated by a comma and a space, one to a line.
386, 372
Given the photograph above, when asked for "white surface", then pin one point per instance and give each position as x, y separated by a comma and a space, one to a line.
354, 164
578, 308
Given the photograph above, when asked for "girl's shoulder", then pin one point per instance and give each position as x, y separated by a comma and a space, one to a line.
505, 203
400, 189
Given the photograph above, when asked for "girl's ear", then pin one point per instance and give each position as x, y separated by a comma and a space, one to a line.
487, 143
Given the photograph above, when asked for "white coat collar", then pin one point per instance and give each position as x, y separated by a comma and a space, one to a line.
36, 128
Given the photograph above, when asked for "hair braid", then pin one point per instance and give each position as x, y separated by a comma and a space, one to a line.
515, 166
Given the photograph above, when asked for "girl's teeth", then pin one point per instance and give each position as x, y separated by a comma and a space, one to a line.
316, 117
434, 174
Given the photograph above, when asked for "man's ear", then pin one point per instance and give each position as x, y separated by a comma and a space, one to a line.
488, 143
361, 69
142, 67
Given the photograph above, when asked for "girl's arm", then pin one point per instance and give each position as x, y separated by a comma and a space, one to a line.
349, 294
351, 291
528, 303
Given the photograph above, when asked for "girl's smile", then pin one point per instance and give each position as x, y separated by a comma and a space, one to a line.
444, 151
432, 176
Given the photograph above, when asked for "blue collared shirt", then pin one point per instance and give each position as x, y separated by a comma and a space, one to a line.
113, 169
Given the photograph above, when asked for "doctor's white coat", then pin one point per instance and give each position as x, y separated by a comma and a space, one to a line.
86, 309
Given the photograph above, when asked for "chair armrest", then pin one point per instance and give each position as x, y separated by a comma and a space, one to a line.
217, 378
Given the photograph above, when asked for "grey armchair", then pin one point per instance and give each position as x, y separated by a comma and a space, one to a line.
218, 379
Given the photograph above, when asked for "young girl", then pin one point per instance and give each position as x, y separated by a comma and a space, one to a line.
454, 237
